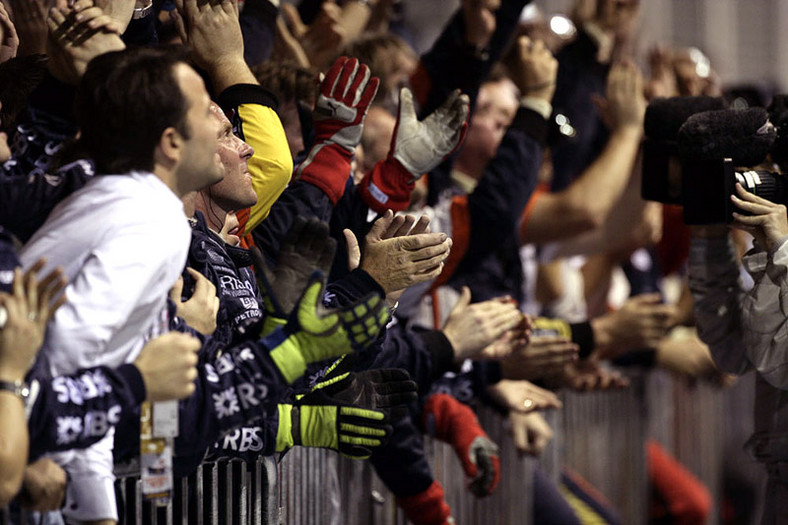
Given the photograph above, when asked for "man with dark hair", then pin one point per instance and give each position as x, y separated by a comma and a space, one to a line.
123, 238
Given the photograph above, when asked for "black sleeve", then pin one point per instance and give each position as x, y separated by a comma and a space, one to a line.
450, 64
258, 25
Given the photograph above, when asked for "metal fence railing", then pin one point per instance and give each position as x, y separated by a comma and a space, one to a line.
601, 436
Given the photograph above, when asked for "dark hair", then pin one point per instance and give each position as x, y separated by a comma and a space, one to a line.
125, 101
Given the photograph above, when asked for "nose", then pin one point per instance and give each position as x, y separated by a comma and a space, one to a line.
245, 150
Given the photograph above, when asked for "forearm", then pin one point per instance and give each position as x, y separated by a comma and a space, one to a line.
765, 320
229, 73
239, 388
355, 17
573, 211
13, 446
450, 64
714, 282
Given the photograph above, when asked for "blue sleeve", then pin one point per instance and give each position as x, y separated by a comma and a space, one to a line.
401, 464
425, 355
509, 180
75, 411
28, 189
235, 387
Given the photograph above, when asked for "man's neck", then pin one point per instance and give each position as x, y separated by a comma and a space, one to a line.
214, 215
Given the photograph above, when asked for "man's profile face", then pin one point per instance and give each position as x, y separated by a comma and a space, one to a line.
235, 190
200, 164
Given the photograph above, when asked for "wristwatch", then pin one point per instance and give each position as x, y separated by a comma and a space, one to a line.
18, 388
142, 12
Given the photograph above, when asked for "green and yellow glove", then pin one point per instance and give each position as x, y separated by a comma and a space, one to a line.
307, 247
325, 418
314, 333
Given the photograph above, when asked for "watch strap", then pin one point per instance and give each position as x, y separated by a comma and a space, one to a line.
18, 388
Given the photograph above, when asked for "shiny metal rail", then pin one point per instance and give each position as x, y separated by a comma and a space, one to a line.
599, 435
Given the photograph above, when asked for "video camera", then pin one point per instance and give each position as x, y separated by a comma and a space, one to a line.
697, 163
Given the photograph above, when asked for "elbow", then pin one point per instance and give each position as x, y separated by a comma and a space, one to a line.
583, 215
587, 220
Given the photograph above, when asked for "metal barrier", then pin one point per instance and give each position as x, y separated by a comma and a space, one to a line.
599, 435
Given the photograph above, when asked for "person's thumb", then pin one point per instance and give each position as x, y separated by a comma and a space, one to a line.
177, 290
465, 300
353, 250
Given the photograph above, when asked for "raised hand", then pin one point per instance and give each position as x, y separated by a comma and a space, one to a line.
213, 31
345, 95
200, 310
77, 34
421, 145
9, 40
306, 248
479, 16
24, 314
397, 256
624, 106
535, 70
314, 333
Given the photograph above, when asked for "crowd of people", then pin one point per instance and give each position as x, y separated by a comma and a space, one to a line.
264, 226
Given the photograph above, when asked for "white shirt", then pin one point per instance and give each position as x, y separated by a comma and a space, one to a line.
122, 241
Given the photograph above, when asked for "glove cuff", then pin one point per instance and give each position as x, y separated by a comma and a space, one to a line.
328, 167
388, 186
318, 426
452, 422
428, 507
285, 437
288, 359
271, 323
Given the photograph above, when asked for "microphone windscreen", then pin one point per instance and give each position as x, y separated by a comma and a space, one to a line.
664, 116
744, 136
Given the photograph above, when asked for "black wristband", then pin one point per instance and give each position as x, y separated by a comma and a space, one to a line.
583, 336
